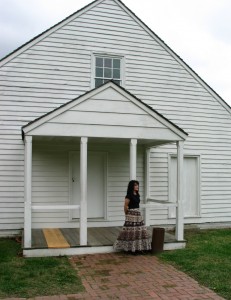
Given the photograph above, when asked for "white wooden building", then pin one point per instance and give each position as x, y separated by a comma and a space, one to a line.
71, 138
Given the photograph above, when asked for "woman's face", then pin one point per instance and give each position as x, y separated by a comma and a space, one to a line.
136, 187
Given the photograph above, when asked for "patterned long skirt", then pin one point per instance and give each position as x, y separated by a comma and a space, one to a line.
134, 235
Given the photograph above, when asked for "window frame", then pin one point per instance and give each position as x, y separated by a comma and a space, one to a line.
106, 55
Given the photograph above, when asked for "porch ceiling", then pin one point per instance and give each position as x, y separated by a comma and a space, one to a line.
76, 140
104, 114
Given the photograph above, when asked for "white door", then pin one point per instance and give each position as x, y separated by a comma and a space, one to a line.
96, 163
191, 196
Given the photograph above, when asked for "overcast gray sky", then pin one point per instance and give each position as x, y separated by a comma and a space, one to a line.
199, 31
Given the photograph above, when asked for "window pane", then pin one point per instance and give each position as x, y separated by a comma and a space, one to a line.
107, 73
107, 68
98, 82
116, 63
108, 63
99, 72
116, 73
99, 62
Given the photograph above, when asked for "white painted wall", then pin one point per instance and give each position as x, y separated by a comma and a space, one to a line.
57, 69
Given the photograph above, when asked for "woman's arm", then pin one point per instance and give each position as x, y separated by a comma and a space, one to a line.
126, 203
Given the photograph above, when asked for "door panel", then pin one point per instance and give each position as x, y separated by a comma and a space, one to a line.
95, 183
190, 186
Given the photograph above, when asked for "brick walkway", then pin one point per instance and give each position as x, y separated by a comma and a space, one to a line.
129, 277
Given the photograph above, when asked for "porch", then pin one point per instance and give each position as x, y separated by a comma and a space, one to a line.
61, 188
66, 241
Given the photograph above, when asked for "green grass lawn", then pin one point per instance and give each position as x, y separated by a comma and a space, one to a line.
20, 277
207, 258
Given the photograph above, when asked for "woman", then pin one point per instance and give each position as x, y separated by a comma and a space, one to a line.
134, 236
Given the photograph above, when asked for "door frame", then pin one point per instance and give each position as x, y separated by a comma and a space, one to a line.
198, 160
105, 156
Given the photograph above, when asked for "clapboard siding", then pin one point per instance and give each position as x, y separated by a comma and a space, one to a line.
50, 164
57, 69
101, 118
87, 25
45, 69
158, 184
82, 32
22, 107
51, 85
118, 174
39, 79
190, 110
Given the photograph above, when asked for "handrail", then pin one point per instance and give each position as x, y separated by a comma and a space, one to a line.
154, 202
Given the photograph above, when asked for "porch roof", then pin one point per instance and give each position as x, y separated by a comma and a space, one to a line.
108, 111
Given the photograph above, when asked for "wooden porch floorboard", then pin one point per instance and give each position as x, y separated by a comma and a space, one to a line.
71, 235
97, 236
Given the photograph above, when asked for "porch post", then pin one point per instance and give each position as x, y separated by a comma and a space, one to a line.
83, 191
179, 209
147, 185
133, 151
27, 191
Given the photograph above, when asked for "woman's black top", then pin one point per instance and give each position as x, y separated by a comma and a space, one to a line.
134, 201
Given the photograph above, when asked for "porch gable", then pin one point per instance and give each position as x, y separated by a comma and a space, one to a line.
107, 112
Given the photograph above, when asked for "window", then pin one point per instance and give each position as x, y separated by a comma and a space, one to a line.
107, 68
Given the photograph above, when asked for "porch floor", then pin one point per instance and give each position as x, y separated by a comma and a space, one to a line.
65, 241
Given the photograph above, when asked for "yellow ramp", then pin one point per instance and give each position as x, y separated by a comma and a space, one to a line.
55, 238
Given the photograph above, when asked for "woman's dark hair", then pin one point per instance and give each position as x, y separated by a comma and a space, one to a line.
131, 184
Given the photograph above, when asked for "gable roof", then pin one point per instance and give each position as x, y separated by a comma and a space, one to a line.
138, 116
140, 22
